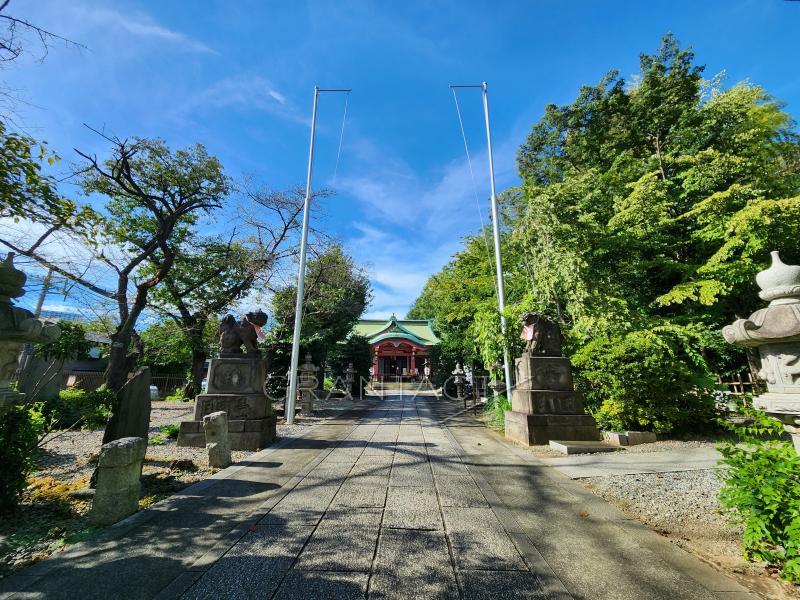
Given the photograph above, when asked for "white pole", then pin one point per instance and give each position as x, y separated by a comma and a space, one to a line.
301, 276
496, 231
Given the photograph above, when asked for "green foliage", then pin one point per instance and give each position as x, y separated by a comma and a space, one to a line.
355, 349
646, 208
495, 412
170, 431
70, 344
19, 433
176, 397
25, 191
646, 380
337, 293
77, 407
762, 491
166, 349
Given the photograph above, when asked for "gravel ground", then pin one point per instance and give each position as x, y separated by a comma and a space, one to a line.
70, 455
684, 507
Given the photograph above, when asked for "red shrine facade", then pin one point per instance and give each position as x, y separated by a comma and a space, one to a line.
400, 348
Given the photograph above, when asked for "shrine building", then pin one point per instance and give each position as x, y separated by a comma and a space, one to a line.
400, 348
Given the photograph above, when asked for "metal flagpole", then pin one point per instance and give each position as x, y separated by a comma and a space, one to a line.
301, 276
496, 231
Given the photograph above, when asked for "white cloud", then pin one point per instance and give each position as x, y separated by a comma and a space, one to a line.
417, 222
143, 26
249, 92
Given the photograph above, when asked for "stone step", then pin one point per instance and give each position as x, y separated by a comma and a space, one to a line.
577, 447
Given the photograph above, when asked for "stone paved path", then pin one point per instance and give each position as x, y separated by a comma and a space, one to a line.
403, 498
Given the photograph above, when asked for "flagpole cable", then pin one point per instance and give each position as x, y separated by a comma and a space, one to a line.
341, 137
475, 191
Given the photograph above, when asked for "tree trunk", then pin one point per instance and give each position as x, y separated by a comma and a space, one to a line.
195, 381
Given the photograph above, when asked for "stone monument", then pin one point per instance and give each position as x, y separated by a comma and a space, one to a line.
459, 378
118, 485
775, 331
236, 387
306, 382
218, 442
544, 403
17, 326
132, 418
349, 380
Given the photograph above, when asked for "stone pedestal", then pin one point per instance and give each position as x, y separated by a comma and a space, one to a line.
235, 386
545, 405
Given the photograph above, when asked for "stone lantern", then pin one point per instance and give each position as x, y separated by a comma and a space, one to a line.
775, 331
459, 376
496, 384
306, 382
17, 326
349, 379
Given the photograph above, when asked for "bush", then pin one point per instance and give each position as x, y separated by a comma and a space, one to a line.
19, 432
647, 380
74, 406
762, 491
176, 397
495, 412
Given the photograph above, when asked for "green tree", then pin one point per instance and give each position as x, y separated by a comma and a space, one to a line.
337, 292
646, 208
152, 196
211, 274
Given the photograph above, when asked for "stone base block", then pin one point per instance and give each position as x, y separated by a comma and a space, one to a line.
535, 402
570, 448
544, 373
244, 434
629, 438
236, 406
540, 429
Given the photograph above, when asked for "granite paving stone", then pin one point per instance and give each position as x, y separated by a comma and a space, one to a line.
412, 508
303, 505
479, 540
254, 567
509, 585
343, 541
323, 585
413, 564
361, 494
459, 490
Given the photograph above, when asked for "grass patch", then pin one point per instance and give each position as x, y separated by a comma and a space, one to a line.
494, 413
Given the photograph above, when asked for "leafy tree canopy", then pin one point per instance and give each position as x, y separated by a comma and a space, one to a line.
645, 206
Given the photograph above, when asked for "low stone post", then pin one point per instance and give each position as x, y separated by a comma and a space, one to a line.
349, 379
118, 486
775, 331
306, 382
218, 443
496, 384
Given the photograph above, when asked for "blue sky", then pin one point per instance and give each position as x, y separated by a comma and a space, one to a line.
238, 77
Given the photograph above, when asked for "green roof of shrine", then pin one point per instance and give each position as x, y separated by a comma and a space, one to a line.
416, 330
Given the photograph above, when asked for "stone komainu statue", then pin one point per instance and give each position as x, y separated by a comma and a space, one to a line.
542, 335
233, 335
